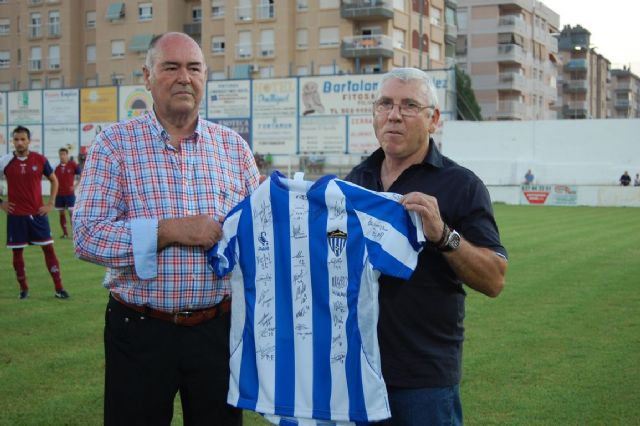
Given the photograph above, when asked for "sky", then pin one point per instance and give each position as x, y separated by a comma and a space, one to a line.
613, 24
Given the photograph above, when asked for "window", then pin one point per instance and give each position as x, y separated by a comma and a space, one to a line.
398, 4
91, 54
329, 4
35, 60
217, 75
243, 11
36, 84
145, 11
5, 87
302, 38
436, 16
5, 26
266, 9
302, 5
115, 11
217, 45
90, 20
244, 45
55, 83
217, 8
5, 58
266, 72
326, 69
117, 48
34, 26
398, 38
329, 36
117, 79
54, 57
462, 20
302, 71
434, 51
267, 43
54, 23
196, 14
140, 43
92, 82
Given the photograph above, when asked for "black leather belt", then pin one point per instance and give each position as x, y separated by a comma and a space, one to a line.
183, 318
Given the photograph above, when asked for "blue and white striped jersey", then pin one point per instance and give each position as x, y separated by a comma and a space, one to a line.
306, 258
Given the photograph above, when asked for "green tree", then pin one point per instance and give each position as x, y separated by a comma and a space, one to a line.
468, 108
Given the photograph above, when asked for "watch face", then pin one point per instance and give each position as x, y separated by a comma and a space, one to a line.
454, 241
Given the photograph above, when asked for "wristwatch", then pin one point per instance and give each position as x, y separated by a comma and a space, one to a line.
452, 242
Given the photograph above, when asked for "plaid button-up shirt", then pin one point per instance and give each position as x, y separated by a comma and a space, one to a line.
132, 179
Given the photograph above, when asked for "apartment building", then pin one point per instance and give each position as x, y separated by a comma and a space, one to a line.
583, 84
76, 43
625, 89
509, 50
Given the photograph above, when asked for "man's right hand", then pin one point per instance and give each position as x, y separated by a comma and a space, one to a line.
7, 206
200, 230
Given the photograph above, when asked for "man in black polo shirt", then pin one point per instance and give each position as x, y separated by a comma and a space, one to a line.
420, 328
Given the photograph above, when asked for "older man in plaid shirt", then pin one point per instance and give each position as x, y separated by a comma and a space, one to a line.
152, 193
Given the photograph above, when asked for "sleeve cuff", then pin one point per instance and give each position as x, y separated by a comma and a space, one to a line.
144, 239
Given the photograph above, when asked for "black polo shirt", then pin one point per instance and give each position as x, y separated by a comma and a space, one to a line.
420, 329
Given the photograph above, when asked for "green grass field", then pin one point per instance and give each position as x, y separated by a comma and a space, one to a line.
560, 346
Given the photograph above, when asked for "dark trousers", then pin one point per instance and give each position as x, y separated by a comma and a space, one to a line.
149, 360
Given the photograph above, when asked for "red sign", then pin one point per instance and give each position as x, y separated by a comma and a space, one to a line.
536, 197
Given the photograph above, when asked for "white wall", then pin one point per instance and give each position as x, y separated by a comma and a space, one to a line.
572, 152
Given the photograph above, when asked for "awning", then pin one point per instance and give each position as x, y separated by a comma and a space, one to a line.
115, 11
140, 42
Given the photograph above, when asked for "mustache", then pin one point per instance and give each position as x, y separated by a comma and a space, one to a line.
184, 89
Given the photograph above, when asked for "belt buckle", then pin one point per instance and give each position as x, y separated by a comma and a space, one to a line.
178, 316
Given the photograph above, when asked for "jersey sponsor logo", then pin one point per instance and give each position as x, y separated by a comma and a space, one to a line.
264, 243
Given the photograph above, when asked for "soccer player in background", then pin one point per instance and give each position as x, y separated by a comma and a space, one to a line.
27, 221
66, 172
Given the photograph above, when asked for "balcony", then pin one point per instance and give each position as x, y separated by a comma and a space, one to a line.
576, 65
367, 47
623, 86
576, 86
451, 31
511, 110
35, 65
193, 29
35, 31
511, 81
54, 30
513, 23
575, 109
363, 10
511, 53
622, 104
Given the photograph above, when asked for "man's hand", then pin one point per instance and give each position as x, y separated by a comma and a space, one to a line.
200, 230
427, 207
7, 206
44, 210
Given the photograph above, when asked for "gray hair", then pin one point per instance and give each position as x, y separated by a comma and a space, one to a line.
414, 74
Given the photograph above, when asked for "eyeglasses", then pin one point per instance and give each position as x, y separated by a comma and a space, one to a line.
408, 108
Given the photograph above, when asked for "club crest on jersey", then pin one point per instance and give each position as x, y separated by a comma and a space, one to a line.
337, 241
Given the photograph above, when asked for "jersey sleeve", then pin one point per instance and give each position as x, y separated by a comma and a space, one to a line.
222, 256
393, 236
46, 168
